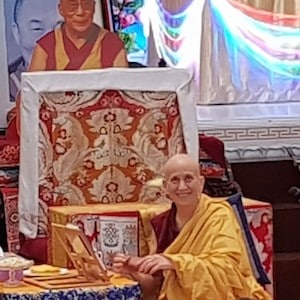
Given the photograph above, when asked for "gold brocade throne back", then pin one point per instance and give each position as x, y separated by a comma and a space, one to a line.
103, 146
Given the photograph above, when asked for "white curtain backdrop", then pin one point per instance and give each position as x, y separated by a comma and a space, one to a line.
224, 73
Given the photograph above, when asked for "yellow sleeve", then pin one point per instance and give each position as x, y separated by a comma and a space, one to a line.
38, 60
221, 272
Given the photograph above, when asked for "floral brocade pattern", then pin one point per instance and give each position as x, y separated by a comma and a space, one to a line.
115, 293
260, 221
10, 199
9, 153
103, 146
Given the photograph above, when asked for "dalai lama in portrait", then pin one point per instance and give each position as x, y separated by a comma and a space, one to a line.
78, 44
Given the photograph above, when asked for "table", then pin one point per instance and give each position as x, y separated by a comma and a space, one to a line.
121, 288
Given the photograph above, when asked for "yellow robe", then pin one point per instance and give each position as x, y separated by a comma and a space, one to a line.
210, 258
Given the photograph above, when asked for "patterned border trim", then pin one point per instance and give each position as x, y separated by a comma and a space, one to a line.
249, 143
261, 154
127, 292
259, 133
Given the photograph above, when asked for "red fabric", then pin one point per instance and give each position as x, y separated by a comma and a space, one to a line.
9, 153
213, 148
10, 199
32, 249
47, 43
264, 235
111, 47
10, 145
165, 229
11, 130
35, 249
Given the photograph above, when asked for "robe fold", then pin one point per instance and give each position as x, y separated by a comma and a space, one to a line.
209, 256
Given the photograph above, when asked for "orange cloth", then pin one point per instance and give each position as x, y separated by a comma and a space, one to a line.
23, 288
210, 258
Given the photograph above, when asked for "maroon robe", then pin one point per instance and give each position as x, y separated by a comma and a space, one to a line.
165, 229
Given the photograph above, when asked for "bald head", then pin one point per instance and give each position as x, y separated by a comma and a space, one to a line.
182, 180
181, 162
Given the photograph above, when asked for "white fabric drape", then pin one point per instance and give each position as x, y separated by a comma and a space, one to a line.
262, 67
225, 75
180, 50
173, 6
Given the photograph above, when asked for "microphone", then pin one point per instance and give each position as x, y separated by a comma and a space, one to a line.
295, 192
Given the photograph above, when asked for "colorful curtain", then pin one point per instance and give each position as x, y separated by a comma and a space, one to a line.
248, 54
176, 28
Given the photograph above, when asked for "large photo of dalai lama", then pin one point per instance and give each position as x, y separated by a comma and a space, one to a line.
78, 43
46, 35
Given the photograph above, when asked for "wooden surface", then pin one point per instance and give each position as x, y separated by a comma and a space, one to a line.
27, 288
70, 280
81, 253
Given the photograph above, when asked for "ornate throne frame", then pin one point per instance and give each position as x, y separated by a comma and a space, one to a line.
35, 85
